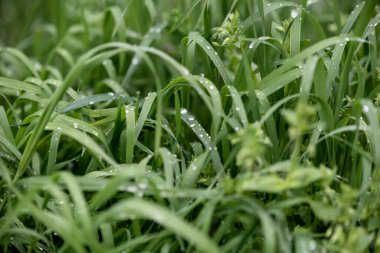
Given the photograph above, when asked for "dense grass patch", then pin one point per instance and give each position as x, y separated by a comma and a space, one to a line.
189, 126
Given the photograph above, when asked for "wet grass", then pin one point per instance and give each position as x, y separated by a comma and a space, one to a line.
189, 126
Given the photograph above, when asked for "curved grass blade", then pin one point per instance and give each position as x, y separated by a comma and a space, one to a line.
22, 58
373, 129
185, 15
53, 149
209, 50
5, 126
89, 100
144, 112
147, 40
10, 146
194, 170
291, 62
21, 86
213, 102
161, 215
170, 164
239, 106
130, 133
254, 17
83, 139
72, 93
280, 81
307, 77
204, 137
81, 125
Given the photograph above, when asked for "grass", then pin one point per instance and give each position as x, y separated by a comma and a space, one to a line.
189, 126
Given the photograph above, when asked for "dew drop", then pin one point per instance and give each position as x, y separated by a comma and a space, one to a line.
185, 72
183, 111
75, 125
251, 45
135, 61
156, 30
91, 102
365, 108
312, 245
111, 94
191, 118
143, 186
294, 13
208, 47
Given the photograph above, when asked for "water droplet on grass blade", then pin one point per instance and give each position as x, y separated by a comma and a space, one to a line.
185, 72
183, 111
294, 13
135, 61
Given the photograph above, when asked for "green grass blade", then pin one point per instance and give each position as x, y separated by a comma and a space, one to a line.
147, 210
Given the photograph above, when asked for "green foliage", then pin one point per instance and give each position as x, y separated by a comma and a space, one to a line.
189, 126
253, 143
230, 33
